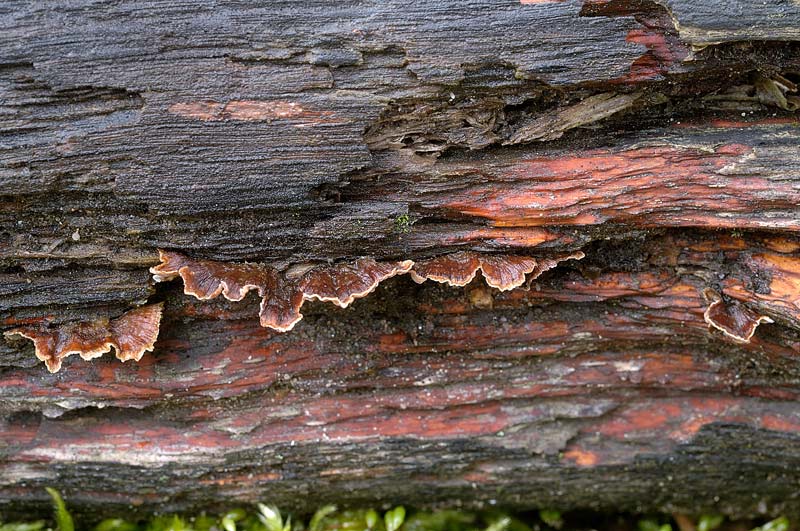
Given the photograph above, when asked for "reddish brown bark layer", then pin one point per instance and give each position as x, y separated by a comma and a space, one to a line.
649, 187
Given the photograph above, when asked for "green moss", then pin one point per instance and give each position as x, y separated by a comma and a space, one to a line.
779, 524
329, 518
551, 518
402, 223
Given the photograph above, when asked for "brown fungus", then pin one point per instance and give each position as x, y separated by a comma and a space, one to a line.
282, 296
736, 321
283, 293
503, 272
131, 335
341, 284
457, 269
207, 279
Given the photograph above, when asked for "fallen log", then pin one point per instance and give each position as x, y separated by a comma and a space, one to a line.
313, 154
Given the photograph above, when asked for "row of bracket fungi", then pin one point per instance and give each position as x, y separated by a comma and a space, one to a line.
282, 295
284, 292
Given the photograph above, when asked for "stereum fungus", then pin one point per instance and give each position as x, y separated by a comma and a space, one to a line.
282, 294
131, 335
736, 321
503, 272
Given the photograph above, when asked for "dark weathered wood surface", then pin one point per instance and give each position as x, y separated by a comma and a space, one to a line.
659, 138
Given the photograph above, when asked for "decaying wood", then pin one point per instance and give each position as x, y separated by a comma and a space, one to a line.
658, 140
592, 109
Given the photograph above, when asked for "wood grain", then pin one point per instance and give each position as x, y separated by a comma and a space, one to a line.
658, 138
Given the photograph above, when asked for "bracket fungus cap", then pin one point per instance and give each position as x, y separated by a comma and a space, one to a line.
130, 335
503, 272
734, 320
283, 293
343, 283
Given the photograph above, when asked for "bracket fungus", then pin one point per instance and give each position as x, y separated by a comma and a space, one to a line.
736, 321
283, 293
341, 284
503, 272
282, 296
131, 335
459, 269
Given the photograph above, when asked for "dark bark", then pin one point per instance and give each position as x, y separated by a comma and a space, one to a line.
659, 138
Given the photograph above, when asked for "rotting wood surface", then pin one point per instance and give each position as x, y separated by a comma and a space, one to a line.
660, 139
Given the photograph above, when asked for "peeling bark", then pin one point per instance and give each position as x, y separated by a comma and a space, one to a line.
658, 139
